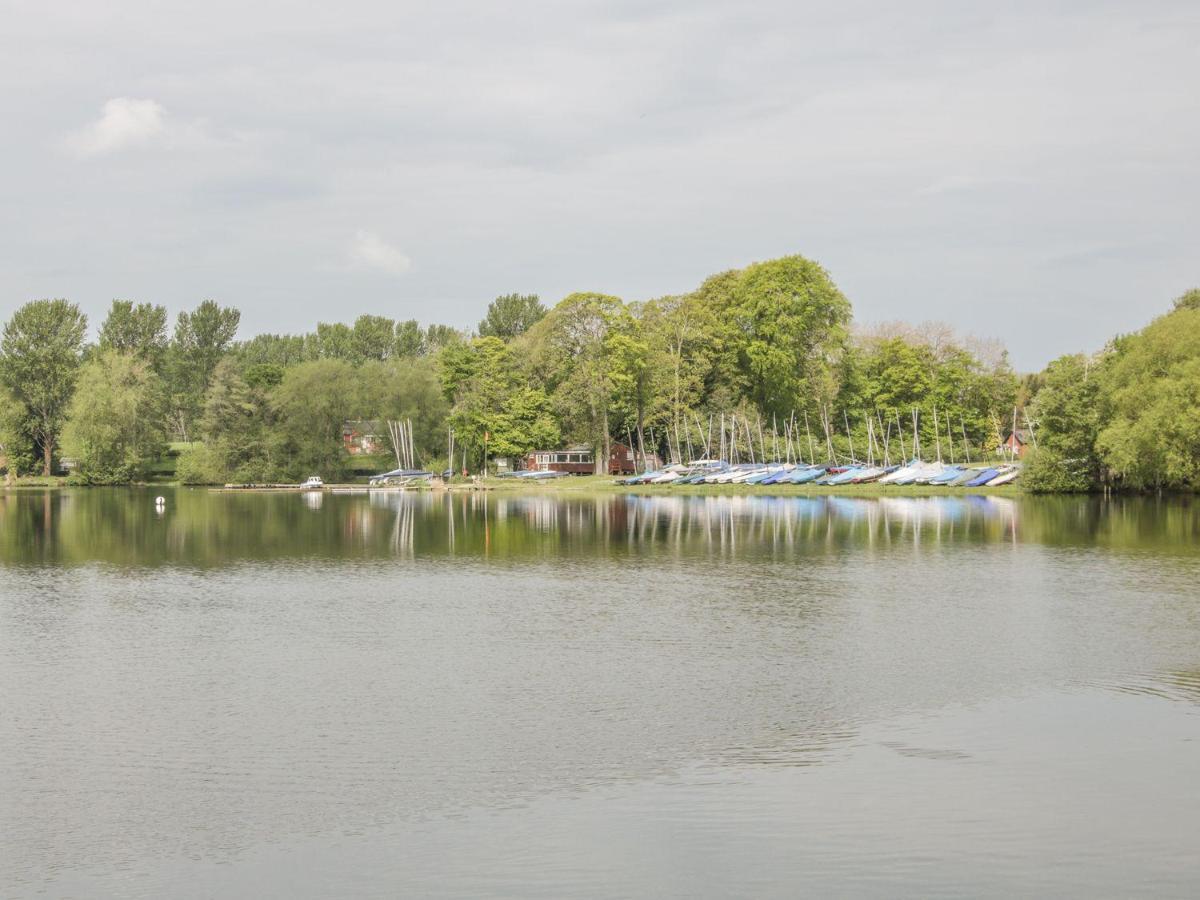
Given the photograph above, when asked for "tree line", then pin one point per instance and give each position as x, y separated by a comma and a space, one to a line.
1127, 417
767, 355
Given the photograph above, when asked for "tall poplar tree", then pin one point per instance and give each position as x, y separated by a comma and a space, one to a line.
40, 354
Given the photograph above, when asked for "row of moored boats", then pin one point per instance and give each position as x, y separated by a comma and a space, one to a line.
711, 471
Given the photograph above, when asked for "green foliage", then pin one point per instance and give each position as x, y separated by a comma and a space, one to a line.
760, 343
438, 337
140, 330
311, 404
373, 339
16, 443
1151, 404
237, 422
202, 338
1048, 471
403, 389
198, 465
577, 350
40, 354
409, 338
275, 349
1067, 419
116, 422
1188, 299
789, 324
511, 315
491, 403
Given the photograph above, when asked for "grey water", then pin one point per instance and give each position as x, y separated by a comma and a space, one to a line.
526, 695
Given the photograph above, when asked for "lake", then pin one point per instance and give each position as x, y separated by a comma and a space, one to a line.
523, 695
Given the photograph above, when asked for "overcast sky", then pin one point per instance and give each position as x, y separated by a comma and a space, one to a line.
1026, 171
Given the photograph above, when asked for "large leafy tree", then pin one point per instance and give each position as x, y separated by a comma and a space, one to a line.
115, 425
409, 339
16, 444
789, 324
238, 419
493, 404
577, 350
202, 337
373, 338
1151, 404
334, 340
1066, 420
312, 402
511, 315
139, 329
403, 389
40, 354
681, 341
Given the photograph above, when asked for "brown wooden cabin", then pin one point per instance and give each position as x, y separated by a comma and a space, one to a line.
580, 460
574, 461
1017, 442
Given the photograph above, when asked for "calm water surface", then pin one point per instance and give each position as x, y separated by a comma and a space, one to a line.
541, 696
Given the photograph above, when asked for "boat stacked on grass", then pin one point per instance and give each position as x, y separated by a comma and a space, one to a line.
914, 472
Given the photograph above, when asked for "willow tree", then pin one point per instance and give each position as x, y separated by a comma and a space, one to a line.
40, 354
116, 425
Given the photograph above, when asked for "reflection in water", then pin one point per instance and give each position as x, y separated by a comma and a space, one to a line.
804, 675
205, 528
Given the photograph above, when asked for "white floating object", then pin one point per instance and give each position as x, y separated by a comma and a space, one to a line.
160, 501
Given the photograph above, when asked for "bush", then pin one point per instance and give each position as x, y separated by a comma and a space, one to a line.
198, 465
1046, 472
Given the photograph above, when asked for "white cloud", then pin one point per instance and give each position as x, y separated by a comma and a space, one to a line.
369, 249
125, 122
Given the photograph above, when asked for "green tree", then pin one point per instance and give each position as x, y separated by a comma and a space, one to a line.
140, 329
511, 315
373, 338
789, 325
237, 421
40, 355
524, 423
681, 339
1188, 299
575, 351
1066, 420
312, 403
409, 338
202, 338
275, 349
493, 405
402, 389
16, 444
115, 425
1151, 404
438, 336
334, 340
